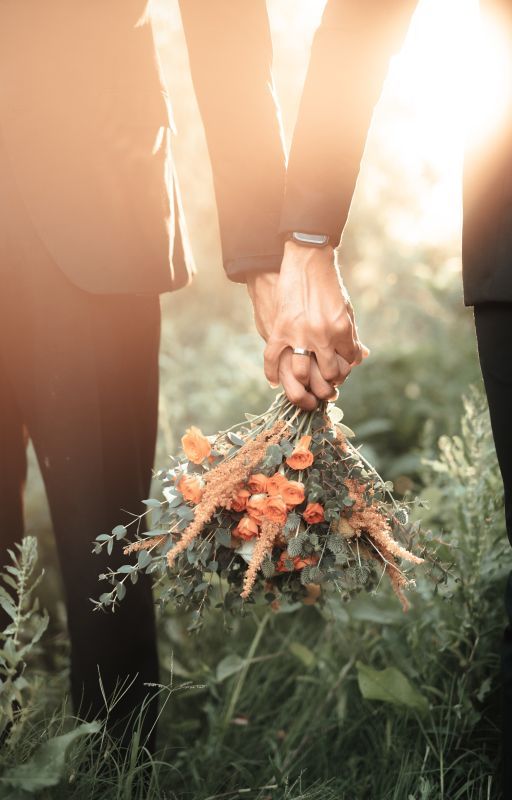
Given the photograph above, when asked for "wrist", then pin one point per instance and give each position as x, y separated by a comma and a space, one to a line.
298, 257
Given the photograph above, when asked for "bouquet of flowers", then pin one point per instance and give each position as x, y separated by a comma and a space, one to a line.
281, 507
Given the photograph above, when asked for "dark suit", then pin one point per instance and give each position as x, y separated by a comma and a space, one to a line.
86, 236
349, 60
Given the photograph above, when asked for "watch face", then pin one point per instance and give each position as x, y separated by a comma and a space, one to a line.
311, 239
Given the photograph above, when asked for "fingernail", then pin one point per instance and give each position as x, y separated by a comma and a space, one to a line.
273, 385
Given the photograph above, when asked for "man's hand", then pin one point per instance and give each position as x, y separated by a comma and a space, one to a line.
306, 305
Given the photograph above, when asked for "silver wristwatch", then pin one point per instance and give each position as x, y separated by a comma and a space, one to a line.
308, 239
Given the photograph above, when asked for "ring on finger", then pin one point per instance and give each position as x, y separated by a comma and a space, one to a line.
301, 351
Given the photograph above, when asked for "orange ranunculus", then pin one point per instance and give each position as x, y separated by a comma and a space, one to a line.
191, 488
276, 483
276, 510
239, 500
247, 528
299, 562
292, 493
256, 505
258, 483
313, 513
280, 566
195, 445
301, 457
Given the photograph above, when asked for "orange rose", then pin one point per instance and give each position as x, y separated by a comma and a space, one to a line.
313, 513
276, 483
191, 488
195, 445
256, 505
301, 457
258, 483
239, 501
292, 493
275, 509
247, 528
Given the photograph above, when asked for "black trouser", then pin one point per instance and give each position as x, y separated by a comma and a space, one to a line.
494, 334
79, 375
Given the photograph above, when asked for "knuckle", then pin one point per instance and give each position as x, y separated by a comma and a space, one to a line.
301, 373
330, 373
343, 327
295, 396
325, 392
352, 354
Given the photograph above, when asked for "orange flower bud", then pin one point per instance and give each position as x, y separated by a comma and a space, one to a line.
195, 445
280, 566
247, 528
313, 513
292, 493
314, 590
276, 483
258, 483
191, 487
256, 505
276, 510
299, 562
301, 457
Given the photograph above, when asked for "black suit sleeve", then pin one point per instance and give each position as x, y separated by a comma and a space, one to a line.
230, 53
349, 59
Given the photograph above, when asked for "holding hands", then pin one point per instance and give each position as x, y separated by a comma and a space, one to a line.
305, 315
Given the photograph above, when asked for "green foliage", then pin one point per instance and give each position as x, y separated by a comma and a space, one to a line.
47, 764
23, 632
277, 705
391, 686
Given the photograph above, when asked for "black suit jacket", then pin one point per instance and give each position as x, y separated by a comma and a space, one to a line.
84, 122
349, 61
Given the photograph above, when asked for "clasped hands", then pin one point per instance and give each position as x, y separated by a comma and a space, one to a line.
306, 305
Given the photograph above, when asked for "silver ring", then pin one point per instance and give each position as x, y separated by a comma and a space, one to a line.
301, 351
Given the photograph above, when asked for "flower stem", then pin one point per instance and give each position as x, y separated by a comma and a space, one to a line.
237, 689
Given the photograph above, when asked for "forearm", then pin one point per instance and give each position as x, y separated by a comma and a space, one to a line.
348, 65
230, 53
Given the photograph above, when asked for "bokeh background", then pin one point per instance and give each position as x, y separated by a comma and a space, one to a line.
402, 264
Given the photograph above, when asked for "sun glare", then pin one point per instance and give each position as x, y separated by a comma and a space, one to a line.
489, 90
448, 88
456, 64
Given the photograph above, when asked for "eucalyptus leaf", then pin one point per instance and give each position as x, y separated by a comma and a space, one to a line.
119, 531
151, 502
143, 559
235, 439
223, 537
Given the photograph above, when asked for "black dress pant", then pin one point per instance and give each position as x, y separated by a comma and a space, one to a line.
79, 376
494, 334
